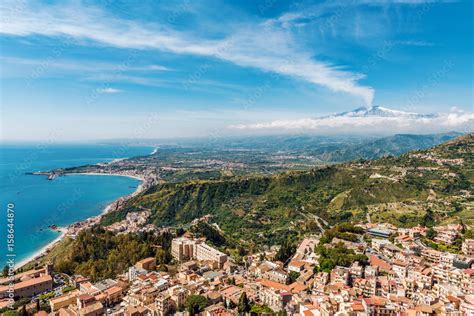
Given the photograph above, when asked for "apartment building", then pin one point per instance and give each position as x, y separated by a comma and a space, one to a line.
207, 253
184, 248
468, 247
447, 234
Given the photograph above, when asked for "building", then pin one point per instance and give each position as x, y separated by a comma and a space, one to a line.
163, 304
182, 248
64, 300
447, 234
296, 266
468, 247
146, 264
379, 232
431, 255
340, 275
28, 288
207, 253
277, 275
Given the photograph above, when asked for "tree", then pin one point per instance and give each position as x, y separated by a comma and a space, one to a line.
38, 306
195, 303
286, 251
431, 233
244, 304
428, 219
293, 276
5, 271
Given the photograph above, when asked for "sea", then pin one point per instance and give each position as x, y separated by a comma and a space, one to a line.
31, 203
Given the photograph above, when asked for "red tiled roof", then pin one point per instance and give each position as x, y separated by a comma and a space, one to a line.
376, 261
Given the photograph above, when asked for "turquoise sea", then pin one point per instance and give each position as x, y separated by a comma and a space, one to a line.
39, 202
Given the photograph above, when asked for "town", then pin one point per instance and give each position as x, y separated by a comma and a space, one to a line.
384, 270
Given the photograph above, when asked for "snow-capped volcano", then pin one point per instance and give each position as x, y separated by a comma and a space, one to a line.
373, 119
378, 111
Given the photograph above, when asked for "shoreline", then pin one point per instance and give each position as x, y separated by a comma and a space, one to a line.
63, 230
43, 250
103, 174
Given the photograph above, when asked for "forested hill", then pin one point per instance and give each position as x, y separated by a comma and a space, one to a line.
406, 190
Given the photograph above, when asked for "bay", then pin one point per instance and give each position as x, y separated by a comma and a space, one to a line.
39, 203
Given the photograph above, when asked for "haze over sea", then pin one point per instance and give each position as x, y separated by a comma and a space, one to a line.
67, 199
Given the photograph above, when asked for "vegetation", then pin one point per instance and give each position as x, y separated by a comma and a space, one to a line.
101, 254
344, 231
195, 304
469, 234
254, 212
247, 208
260, 309
244, 303
339, 255
287, 249
293, 276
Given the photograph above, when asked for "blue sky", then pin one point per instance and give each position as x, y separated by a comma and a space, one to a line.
157, 69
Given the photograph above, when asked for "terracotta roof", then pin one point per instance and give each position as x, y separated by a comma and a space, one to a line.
375, 300
64, 297
357, 307
113, 290
23, 284
275, 285
297, 263
377, 262
424, 308
297, 287
146, 260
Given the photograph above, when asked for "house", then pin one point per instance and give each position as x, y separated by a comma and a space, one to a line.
146, 264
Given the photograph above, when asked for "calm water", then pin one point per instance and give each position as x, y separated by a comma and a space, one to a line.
40, 203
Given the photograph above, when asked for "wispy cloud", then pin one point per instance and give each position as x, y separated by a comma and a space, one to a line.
72, 65
413, 43
261, 45
108, 90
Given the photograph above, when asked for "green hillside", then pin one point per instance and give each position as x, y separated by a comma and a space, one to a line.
261, 209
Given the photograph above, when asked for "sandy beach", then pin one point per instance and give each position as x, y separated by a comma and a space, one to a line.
103, 174
44, 249
63, 230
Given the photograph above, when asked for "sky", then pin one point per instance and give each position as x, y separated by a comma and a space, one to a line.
85, 70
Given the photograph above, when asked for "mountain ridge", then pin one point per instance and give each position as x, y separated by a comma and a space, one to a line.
379, 111
395, 189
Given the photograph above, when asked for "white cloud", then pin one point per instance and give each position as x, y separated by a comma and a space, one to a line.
341, 124
264, 46
108, 90
413, 43
158, 68
83, 66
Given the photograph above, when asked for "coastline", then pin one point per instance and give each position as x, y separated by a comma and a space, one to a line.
63, 230
43, 250
103, 174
